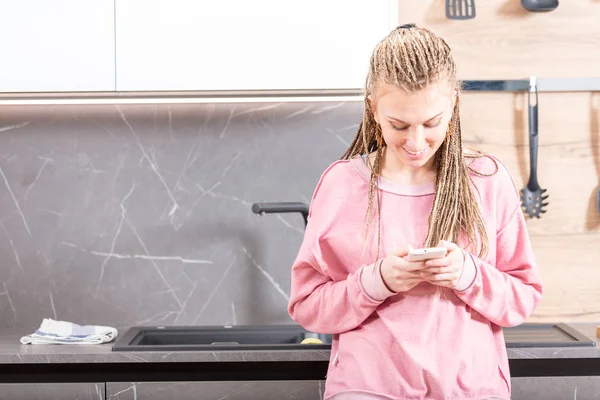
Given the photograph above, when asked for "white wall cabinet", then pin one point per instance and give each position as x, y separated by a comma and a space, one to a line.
188, 45
57, 46
173, 45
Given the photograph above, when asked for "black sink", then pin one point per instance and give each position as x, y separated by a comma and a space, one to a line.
289, 337
190, 338
545, 335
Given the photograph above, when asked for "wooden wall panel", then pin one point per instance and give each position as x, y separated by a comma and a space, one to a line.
566, 239
505, 41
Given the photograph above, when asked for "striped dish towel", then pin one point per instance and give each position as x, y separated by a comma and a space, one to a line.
63, 332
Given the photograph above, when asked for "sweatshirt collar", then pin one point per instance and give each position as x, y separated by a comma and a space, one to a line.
387, 185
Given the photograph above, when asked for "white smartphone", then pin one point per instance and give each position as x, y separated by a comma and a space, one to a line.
426, 253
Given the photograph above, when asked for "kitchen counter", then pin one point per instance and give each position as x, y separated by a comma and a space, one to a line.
29, 363
12, 351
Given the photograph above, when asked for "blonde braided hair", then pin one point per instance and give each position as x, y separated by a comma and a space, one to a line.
413, 57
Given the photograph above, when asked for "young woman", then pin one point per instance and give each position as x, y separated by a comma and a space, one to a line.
414, 330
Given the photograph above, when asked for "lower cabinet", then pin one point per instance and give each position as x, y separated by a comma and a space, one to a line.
578, 388
230, 390
52, 391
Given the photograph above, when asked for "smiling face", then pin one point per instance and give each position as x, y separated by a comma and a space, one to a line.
414, 124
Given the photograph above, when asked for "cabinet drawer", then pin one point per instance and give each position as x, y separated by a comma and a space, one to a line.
52, 391
230, 390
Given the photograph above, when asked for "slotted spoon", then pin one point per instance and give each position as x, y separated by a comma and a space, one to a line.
533, 199
460, 9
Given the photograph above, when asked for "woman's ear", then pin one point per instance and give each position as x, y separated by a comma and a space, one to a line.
372, 107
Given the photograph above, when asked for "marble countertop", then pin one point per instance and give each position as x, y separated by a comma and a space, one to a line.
12, 351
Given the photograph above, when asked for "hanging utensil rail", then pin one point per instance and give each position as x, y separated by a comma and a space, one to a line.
543, 85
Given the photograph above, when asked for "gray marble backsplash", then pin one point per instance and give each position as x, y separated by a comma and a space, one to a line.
141, 214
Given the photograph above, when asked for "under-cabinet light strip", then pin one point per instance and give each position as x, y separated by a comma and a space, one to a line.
283, 96
175, 100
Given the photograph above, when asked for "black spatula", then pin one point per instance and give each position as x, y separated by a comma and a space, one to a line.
460, 9
533, 199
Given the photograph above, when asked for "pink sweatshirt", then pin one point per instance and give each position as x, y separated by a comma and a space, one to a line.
429, 342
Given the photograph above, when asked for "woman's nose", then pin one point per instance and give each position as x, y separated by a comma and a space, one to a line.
416, 137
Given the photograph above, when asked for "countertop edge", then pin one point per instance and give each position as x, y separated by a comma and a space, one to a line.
13, 352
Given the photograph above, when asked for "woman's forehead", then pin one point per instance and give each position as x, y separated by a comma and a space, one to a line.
425, 103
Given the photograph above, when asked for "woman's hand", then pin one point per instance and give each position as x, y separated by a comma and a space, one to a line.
445, 271
400, 275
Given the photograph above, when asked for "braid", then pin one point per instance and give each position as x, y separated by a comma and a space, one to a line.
369, 139
454, 198
412, 57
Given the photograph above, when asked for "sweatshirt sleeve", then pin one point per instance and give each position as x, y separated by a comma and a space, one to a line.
323, 298
507, 292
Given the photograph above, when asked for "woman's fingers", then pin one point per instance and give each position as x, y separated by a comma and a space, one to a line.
443, 277
438, 262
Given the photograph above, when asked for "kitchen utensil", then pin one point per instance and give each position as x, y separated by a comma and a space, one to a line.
539, 5
282, 207
532, 195
460, 9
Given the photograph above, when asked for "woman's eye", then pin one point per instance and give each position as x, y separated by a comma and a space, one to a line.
434, 124
405, 127
399, 128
